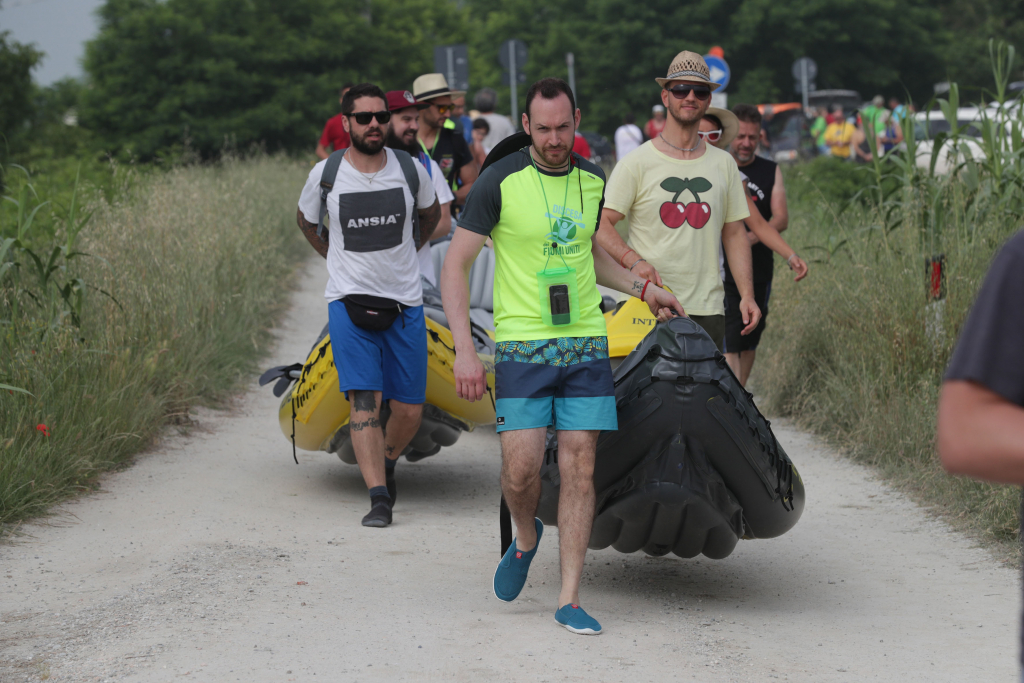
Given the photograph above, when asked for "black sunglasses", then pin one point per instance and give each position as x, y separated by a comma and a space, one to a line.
363, 117
681, 92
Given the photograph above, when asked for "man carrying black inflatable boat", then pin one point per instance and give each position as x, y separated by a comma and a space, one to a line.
541, 206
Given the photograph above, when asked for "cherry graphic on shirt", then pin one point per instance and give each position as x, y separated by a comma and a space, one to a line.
675, 213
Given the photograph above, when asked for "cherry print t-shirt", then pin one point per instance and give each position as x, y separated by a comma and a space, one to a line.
676, 210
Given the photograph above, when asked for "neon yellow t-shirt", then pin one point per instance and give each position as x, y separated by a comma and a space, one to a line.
508, 204
676, 210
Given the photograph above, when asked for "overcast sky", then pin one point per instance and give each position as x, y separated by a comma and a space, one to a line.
57, 27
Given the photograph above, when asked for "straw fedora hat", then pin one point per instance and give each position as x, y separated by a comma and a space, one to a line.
688, 66
730, 126
429, 86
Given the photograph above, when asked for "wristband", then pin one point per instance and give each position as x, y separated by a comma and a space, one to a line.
624, 255
644, 290
636, 262
790, 259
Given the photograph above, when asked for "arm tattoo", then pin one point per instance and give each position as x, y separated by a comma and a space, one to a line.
638, 286
429, 218
309, 230
364, 401
372, 423
390, 450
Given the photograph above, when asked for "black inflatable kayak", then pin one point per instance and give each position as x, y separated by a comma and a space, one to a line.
694, 466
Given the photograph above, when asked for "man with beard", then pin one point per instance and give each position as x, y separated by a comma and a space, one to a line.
444, 145
405, 117
684, 199
540, 206
764, 180
373, 279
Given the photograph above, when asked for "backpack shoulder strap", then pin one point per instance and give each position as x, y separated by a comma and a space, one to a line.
330, 173
412, 179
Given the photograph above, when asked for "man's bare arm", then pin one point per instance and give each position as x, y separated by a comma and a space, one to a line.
309, 230
429, 218
780, 210
468, 175
470, 377
980, 433
321, 151
737, 251
612, 243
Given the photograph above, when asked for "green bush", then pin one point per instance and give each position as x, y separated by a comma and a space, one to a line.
857, 351
194, 265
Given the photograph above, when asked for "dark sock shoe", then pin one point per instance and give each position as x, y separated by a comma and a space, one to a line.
389, 479
380, 511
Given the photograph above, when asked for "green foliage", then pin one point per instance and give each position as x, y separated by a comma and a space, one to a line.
16, 63
230, 73
196, 291
620, 47
862, 350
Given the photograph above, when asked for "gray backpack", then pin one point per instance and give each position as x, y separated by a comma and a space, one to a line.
330, 174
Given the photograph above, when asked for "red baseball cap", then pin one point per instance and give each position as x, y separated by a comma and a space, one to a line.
403, 99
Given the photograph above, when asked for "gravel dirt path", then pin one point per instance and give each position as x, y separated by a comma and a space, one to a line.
216, 558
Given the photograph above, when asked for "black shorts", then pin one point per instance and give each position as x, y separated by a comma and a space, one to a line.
734, 341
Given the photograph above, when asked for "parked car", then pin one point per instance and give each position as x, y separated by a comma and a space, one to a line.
788, 131
928, 124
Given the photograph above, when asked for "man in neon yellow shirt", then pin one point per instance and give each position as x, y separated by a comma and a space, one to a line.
540, 205
685, 201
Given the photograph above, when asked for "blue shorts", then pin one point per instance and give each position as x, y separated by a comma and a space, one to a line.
361, 356
565, 381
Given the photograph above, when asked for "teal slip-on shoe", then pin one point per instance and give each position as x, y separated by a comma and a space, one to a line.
510, 576
576, 620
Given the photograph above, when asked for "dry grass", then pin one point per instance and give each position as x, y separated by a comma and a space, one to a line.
199, 261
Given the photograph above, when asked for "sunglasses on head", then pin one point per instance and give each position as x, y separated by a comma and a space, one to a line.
681, 92
711, 135
363, 117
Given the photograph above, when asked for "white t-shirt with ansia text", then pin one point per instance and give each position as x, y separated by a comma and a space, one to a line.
371, 248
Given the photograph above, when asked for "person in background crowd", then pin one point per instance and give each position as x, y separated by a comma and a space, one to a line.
405, 123
480, 150
581, 147
839, 134
463, 122
859, 141
334, 136
657, 122
981, 408
818, 130
874, 116
373, 277
501, 127
898, 110
766, 199
892, 135
444, 145
685, 201
627, 136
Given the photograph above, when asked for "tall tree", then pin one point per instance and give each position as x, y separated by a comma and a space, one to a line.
873, 46
16, 63
245, 71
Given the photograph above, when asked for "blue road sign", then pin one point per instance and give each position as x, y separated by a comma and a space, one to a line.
719, 71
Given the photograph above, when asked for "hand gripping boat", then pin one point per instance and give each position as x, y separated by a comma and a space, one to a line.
314, 414
694, 466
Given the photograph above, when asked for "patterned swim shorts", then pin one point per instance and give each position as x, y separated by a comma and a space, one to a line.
565, 382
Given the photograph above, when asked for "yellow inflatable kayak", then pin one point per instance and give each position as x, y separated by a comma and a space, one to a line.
315, 413
628, 324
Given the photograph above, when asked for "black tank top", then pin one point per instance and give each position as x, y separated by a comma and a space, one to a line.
760, 181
